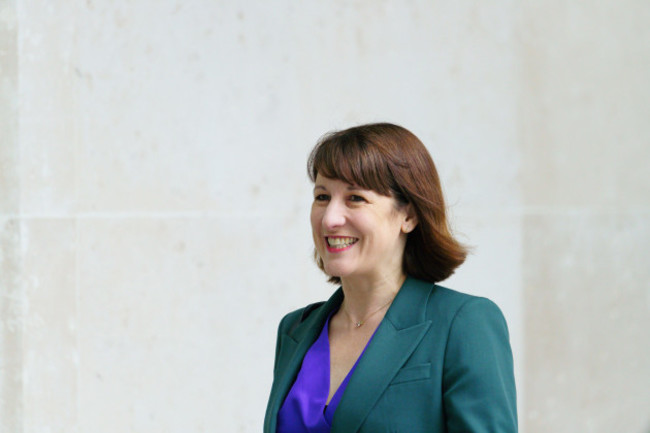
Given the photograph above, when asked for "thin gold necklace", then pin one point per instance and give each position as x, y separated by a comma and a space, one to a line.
360, 323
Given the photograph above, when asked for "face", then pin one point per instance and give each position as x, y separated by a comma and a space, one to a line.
358, 233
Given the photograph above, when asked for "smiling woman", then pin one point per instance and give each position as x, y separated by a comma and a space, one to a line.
358, 233
390, 351
392, 162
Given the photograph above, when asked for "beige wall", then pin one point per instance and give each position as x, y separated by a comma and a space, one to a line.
154, 201
586, 152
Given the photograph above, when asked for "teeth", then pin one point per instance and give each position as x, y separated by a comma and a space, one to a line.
340, 242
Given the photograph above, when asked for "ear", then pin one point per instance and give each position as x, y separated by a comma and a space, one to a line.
410, 221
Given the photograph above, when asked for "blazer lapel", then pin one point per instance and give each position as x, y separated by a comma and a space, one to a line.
294, 345
395, 339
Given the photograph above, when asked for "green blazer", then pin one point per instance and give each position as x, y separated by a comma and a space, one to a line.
440, 361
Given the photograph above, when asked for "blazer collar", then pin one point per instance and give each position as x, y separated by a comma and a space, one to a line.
294, 345
396, 338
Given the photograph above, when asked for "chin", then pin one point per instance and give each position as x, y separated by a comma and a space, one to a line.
335, 271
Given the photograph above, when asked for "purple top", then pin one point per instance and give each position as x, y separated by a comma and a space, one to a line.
304, 410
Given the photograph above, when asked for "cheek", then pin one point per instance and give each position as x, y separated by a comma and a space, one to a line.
390, 233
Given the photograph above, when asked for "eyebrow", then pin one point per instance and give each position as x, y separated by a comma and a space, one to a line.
349, 188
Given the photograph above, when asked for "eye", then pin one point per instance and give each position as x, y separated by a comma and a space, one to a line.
357, 198
322, 197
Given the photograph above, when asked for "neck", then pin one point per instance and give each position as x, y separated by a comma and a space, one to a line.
363, 297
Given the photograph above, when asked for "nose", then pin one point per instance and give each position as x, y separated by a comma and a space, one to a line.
334, 216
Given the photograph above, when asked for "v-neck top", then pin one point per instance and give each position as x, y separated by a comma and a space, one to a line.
305, 409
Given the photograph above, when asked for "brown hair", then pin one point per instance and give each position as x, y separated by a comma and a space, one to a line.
392, 161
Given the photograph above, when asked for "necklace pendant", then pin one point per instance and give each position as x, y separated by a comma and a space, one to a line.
359, 324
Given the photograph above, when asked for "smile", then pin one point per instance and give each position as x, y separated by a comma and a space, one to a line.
340, 243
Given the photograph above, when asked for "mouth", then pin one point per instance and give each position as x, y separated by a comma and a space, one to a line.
337, 244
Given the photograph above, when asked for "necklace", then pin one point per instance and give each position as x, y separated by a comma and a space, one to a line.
360, 323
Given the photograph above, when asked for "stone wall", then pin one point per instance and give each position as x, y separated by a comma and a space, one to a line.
154, 201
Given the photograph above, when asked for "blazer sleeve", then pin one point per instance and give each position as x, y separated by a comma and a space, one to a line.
287, 323
281, 328
478, 380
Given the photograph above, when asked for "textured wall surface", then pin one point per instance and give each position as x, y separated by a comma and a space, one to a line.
154, 201
585, 151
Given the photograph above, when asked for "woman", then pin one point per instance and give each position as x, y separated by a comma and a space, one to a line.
390, 351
